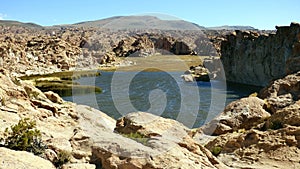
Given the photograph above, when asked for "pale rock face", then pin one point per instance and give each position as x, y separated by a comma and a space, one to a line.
241, 114
61, 130
23, 160
166, 144
188, 78
53, 97
278, 102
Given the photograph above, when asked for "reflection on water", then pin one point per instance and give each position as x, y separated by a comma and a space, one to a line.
160, 93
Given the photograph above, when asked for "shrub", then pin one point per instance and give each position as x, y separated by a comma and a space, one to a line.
62, 158
216, 150
275, 125
137, 137
23, 136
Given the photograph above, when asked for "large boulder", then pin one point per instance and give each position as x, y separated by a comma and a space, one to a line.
281, 93
181, 48
287, 85
241, 114
61, 123
144, 140
139, 45
289, 115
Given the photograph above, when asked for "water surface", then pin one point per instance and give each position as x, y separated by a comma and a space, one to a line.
161, 93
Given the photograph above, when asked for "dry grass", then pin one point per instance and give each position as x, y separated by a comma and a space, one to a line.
163, 63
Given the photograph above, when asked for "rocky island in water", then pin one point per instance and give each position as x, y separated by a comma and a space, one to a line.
40, 65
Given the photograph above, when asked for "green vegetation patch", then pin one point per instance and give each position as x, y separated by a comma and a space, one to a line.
67, 89
24, 137
216, 150
137, 137
63, 157
67, 75
62, 82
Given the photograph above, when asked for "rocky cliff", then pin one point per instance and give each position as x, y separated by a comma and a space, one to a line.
251, 57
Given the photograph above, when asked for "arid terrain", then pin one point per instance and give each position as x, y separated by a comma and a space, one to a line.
41, 130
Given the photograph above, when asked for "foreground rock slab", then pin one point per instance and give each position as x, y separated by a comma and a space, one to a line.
22, 159
144, 140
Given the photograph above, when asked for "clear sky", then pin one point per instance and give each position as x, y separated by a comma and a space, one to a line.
261, 14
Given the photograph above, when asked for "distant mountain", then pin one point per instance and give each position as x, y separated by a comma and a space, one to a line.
140, 23
20, 24
133, 23
227, 27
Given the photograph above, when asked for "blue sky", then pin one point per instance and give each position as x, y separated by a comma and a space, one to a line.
261, 14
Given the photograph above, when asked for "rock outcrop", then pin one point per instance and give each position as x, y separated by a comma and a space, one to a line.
198, 73
241, 114
27, 51
39, 53
58, 121
146, 44
259, 132
152, 142
250, 57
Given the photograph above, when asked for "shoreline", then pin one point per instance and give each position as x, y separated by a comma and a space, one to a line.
62, 80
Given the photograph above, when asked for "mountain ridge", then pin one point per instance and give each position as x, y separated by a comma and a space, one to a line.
140, 22
231, 27
17, 23
133, 23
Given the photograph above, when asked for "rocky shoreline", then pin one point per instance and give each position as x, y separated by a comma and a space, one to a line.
254, 132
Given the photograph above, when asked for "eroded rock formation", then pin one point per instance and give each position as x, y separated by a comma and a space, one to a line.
155, 43
252, 58
261, 132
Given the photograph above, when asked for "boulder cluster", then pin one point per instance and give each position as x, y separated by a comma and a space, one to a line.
262, 130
